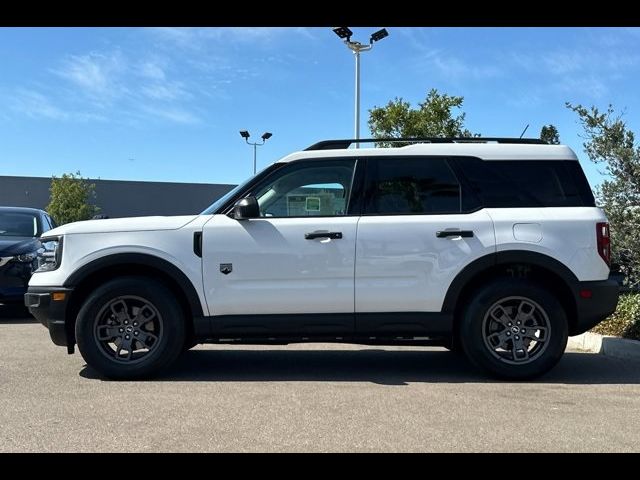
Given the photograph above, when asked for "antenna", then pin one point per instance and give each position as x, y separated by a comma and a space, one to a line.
525, 129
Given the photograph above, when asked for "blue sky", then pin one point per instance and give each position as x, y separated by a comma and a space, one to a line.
166, 104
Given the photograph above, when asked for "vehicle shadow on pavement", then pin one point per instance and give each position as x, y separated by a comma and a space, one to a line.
385, 367
15, 314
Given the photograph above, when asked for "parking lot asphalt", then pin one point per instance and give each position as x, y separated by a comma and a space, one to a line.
307, 397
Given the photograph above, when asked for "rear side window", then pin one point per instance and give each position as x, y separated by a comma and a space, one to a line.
409, 186
525, 183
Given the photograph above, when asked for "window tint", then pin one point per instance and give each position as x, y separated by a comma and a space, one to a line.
13, 224
526, 183
305, 189
46, 223
416, 185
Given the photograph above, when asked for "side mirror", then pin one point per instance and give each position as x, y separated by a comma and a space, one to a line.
246, 208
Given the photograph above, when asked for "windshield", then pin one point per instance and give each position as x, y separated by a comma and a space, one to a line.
218, 204
14, 224
224, 199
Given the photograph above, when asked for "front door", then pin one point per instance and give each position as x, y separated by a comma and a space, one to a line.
291, 271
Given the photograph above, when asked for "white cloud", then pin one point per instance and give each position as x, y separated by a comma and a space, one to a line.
524, 100
588, 85
110, 82
522, 60
454, 68
562, 62
173, 114
167, 91
35, 105
95, 73
588, 70
152, 70
198, 37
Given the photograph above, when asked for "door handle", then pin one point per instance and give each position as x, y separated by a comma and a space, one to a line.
314, 235
454, 233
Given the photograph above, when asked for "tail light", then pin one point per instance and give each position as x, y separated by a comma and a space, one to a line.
604, 241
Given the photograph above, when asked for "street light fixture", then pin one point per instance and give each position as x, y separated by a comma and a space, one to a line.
345, 34
265, 136
379, 35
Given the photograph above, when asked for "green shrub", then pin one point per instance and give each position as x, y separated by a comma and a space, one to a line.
71, 199
625, 321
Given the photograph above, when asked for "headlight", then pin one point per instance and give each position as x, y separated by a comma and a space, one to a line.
27, 257
50, 254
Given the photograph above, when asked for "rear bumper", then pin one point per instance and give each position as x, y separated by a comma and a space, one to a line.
51, 313
599, 305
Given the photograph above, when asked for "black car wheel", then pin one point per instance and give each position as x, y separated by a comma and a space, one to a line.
514, 329
130, 327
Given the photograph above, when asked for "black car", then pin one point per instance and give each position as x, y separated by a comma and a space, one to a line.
20, 229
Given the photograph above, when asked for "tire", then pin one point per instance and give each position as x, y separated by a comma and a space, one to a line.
188, 345
489, 329
453, 345
106, 325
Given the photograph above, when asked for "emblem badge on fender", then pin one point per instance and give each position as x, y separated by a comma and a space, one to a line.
226, 268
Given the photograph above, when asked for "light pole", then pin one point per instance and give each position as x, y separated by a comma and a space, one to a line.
357, 47
265, 136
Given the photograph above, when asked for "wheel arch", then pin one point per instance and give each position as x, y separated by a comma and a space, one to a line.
85, 279
514, 263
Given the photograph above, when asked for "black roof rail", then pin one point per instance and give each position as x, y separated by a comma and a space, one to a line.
340, 144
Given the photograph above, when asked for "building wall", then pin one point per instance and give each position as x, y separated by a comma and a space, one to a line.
119, 198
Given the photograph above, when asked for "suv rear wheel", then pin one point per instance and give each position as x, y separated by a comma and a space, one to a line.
130, 328
514, 329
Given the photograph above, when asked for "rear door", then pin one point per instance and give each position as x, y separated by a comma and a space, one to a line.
413, 239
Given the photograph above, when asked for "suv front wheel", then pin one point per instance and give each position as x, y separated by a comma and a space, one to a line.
130, 328
514, 329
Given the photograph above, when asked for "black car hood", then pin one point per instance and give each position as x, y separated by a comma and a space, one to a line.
10, 246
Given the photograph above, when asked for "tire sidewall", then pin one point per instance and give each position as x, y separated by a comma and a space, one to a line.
472, 334
170, 343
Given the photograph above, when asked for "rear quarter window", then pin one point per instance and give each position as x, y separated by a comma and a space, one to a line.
524, 183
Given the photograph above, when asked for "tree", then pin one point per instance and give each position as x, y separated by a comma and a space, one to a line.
610, 143
71, 199
432, 118
549, 134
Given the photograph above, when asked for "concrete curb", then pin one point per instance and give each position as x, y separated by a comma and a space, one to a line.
605, 345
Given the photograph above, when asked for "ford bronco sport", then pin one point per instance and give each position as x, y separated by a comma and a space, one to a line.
492, 247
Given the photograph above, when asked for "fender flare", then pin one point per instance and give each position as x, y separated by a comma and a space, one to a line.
187, 287
502, 258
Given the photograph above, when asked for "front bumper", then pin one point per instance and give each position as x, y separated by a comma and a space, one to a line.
12, 294
14, 278
596, 305
51, 313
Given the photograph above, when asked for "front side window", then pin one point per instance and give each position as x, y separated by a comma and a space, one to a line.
306, 189
411, 185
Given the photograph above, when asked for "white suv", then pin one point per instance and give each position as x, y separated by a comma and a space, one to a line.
492, 247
